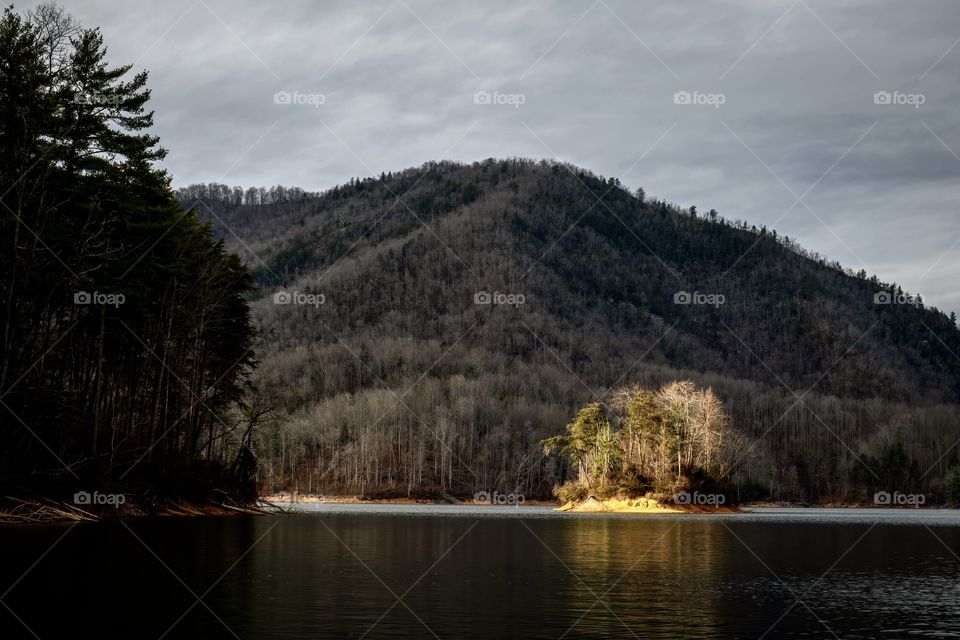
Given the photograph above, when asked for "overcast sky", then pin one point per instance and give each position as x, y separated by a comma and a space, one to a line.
783, 126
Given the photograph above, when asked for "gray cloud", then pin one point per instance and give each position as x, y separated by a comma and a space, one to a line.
598, 81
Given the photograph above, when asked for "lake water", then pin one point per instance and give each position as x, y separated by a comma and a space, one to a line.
384, 571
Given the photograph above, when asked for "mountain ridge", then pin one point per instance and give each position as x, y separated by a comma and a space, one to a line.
608, 279
294, 257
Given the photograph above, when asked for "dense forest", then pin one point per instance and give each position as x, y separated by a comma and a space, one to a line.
423, 331
125, 333
662, 442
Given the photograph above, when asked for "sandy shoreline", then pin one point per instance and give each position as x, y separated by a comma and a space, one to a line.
15, 511
310, 499
643, 505
611, 505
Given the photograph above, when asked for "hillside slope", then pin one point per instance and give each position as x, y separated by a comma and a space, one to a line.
403, 380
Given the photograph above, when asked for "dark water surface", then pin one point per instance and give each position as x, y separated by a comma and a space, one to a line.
461, 572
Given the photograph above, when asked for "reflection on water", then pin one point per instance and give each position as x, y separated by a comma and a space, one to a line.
411, 572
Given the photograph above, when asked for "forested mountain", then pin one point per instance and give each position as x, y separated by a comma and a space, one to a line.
424, 330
